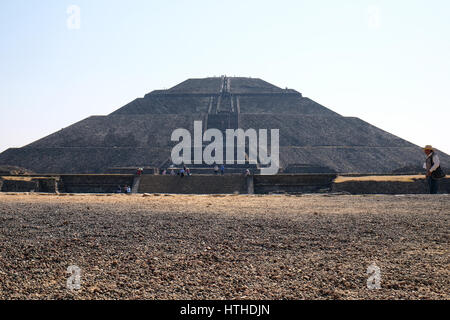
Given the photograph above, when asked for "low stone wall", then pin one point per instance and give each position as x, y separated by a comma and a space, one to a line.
293, 183
49, 185
419, 186
200, 184
94, 183
217, 184
29, 185
20, 186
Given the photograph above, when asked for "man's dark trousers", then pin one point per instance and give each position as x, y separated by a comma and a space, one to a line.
433, 184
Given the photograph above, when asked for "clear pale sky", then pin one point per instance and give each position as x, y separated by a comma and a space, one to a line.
386, 62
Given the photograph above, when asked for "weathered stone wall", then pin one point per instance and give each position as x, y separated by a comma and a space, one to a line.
215, 184
49, 185
29, 185
19, 186
200, 184
291, 183
94, 183
389, 187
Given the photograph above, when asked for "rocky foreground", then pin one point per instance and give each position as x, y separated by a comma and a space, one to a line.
224, 247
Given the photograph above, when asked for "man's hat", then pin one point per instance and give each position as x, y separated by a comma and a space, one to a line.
428, 147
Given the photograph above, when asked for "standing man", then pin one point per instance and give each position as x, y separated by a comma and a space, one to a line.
431, 164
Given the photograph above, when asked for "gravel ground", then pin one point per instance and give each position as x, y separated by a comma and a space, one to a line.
224, 246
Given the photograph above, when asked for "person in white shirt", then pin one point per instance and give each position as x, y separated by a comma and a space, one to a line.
431, 164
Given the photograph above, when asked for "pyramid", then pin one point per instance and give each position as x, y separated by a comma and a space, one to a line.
312, 136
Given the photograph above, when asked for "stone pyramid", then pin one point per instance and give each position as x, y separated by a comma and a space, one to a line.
312, 137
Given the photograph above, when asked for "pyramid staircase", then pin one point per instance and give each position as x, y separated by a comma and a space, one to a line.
223, 114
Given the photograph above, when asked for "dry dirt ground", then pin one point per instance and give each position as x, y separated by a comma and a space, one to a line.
224, 246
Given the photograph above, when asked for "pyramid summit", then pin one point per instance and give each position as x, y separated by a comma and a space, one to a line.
138, 134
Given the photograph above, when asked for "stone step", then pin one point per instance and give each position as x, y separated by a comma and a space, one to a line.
136, 182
